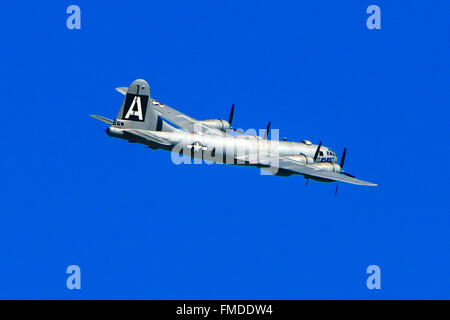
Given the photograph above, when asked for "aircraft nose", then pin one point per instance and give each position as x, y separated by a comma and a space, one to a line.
107, 131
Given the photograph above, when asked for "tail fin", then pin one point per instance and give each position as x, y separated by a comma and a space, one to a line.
136, 111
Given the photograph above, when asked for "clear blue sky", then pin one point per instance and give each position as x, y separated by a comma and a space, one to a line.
141, 227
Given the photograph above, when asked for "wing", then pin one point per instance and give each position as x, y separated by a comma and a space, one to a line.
178, 118
293, 166
311, 170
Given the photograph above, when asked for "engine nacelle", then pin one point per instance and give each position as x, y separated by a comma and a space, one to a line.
328, 166
301, 158
218, 124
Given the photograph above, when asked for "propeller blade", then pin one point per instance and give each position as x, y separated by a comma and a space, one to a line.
343, 157
307, 180
335, 192
348, 174
267, 130
317, 151
342, 164
230, 119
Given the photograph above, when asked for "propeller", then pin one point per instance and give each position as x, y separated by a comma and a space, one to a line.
316, 154
342, 164
317, 151
230, 120
267, 130
343, 157
342, 171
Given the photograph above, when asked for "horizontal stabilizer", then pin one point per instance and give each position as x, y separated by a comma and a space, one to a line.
103, 119
122, 90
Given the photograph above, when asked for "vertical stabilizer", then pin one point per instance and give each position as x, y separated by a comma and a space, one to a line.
136, 111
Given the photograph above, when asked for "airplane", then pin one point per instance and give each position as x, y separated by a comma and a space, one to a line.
147, 121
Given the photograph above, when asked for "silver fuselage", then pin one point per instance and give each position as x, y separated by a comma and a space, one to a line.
233, 149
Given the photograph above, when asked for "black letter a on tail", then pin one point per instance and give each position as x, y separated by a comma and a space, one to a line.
135, 107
